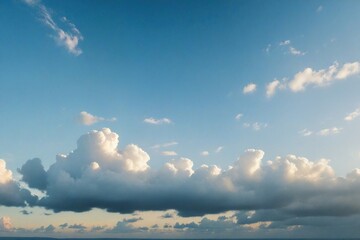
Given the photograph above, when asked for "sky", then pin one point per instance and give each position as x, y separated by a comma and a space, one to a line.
179, 119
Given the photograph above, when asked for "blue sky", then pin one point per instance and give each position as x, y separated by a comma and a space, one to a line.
71, 67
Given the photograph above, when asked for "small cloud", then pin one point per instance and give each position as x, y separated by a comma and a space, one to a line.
25, 212
155, 121
169, 153
88, 119
238, 116
284, 43
305, 132
168, 215
164, 145
351, 116
64, 225
329, 131
272, 87
219, 149
250, 88
5, 224
319, 8
267, 49
132, 220
296, 52
256, 126
204, 153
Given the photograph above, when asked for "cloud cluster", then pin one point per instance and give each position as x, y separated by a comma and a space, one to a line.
309, 77
295, 185
67, 38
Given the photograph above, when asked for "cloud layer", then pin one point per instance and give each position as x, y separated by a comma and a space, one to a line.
291, 185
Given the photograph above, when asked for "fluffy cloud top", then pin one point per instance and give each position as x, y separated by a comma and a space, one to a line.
288, 185
351, 116
250, 88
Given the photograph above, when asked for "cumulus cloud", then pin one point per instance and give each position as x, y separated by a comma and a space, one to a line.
168, 153
88, 119
323, 77
11, 194
5, 224
159, 121
69, 38
309, 77
287, 188
351, 116
249, 88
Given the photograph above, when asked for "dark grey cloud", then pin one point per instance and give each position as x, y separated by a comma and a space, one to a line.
33, 173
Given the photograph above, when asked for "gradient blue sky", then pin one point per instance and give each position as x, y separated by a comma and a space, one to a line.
187, 61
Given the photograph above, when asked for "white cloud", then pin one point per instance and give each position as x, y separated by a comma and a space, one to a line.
329, 131
305, 132
88, 119
296, 52
256, 126
5, 224
168, 153
204, 153
5, 174
250, 88
219, 149
69, 39
239, 116
323, 77
351, 116
273, 86
285, 42
155, 121
164, 145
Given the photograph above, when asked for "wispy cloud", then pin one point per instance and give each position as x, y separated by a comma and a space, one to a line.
69, 38
329, 131
163, 145
249, 88
169, 153
305, 132
88, 119
204, 153
219, 149
351, 116
238, 116
319, 8
159, 121
291, 49
256, 126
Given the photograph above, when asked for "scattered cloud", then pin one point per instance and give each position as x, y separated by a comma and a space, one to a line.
159, 121
329, 131
256, 126
164, 145
69, 38
88, 119
351, 116
291, 49
204, 153
250, 88
219, 149
305, 132
285, 43
309, 77
168, 153
238, 116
